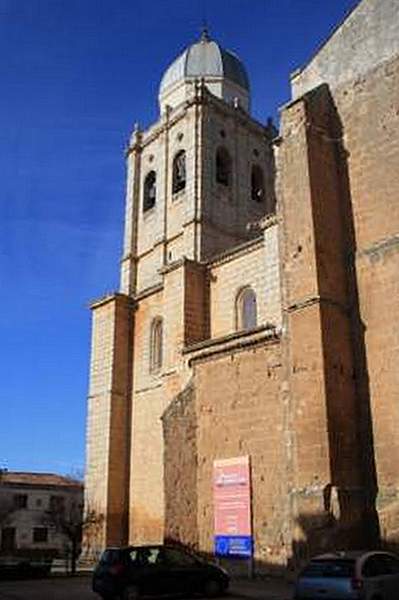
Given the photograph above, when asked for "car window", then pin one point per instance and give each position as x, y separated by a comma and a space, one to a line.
375, 566
178, 558
340, 568
389, 564
393, 564
133, 554
110, 557
148, 556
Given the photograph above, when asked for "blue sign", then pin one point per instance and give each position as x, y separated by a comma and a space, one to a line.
233, 545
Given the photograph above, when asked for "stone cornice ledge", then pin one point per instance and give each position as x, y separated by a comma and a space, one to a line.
237, 341
110, 297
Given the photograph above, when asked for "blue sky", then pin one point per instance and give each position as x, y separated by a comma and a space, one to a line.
75, 75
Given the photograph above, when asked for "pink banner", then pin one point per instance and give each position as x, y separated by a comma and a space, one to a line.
232, 497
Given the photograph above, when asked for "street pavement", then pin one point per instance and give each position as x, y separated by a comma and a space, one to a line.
53, 588
78, 588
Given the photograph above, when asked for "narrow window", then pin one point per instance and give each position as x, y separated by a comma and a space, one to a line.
156, 344
223, 167
246, 311
150, 190
40, 535
179, 172
257, 184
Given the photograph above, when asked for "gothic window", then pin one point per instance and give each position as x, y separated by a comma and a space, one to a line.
246, 312
150, 190
223, 166
179, 172
156, 344
257, 184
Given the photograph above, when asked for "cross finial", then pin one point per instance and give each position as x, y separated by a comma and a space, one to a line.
205, 37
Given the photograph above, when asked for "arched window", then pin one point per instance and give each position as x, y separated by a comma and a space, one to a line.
150, 190
257, 184
223, 166
156, 343
246, 312
179, 172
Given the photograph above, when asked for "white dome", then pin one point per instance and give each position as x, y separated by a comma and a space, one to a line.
206, 59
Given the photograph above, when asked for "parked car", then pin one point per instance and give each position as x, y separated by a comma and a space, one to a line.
131, 572
22, 567
350, 576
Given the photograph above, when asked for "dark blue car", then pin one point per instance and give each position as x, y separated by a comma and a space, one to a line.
131, 572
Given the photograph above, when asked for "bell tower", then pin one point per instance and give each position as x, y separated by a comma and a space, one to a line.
198, 180
199, 176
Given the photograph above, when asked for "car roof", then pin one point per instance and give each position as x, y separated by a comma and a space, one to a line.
133, 547
350, 554
144, 546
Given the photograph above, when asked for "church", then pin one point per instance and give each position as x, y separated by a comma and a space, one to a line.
255, 332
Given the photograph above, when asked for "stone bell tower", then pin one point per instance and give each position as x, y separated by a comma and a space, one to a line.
200, 174
196, 180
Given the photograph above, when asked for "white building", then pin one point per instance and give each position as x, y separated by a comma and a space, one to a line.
28, 503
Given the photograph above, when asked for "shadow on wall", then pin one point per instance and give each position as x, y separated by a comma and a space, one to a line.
370, 529
349, 518
316, 534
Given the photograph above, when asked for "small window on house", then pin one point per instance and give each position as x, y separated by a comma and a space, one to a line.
223, 166
257, 184
57, 504
246, 311
150, 190
20, 501
156, 343
40, 535
179, 172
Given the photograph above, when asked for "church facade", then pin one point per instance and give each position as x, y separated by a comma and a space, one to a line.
258, 308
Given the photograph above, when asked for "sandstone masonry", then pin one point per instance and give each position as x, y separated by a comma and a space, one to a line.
257, 310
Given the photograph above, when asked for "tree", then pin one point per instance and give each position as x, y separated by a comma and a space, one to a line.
69, 520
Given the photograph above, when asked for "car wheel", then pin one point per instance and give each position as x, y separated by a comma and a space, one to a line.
131, 593
212, 588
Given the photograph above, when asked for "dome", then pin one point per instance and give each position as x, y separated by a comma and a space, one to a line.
206, 59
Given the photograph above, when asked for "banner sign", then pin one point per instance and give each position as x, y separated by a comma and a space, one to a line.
232, 507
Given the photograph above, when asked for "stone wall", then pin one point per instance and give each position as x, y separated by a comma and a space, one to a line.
254, 264
315, 408
108, 423
232, 408
205, 218
152, 392
369, 113
362, 133
367, 37
227, 211
320, 335
240, 413
181, 461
